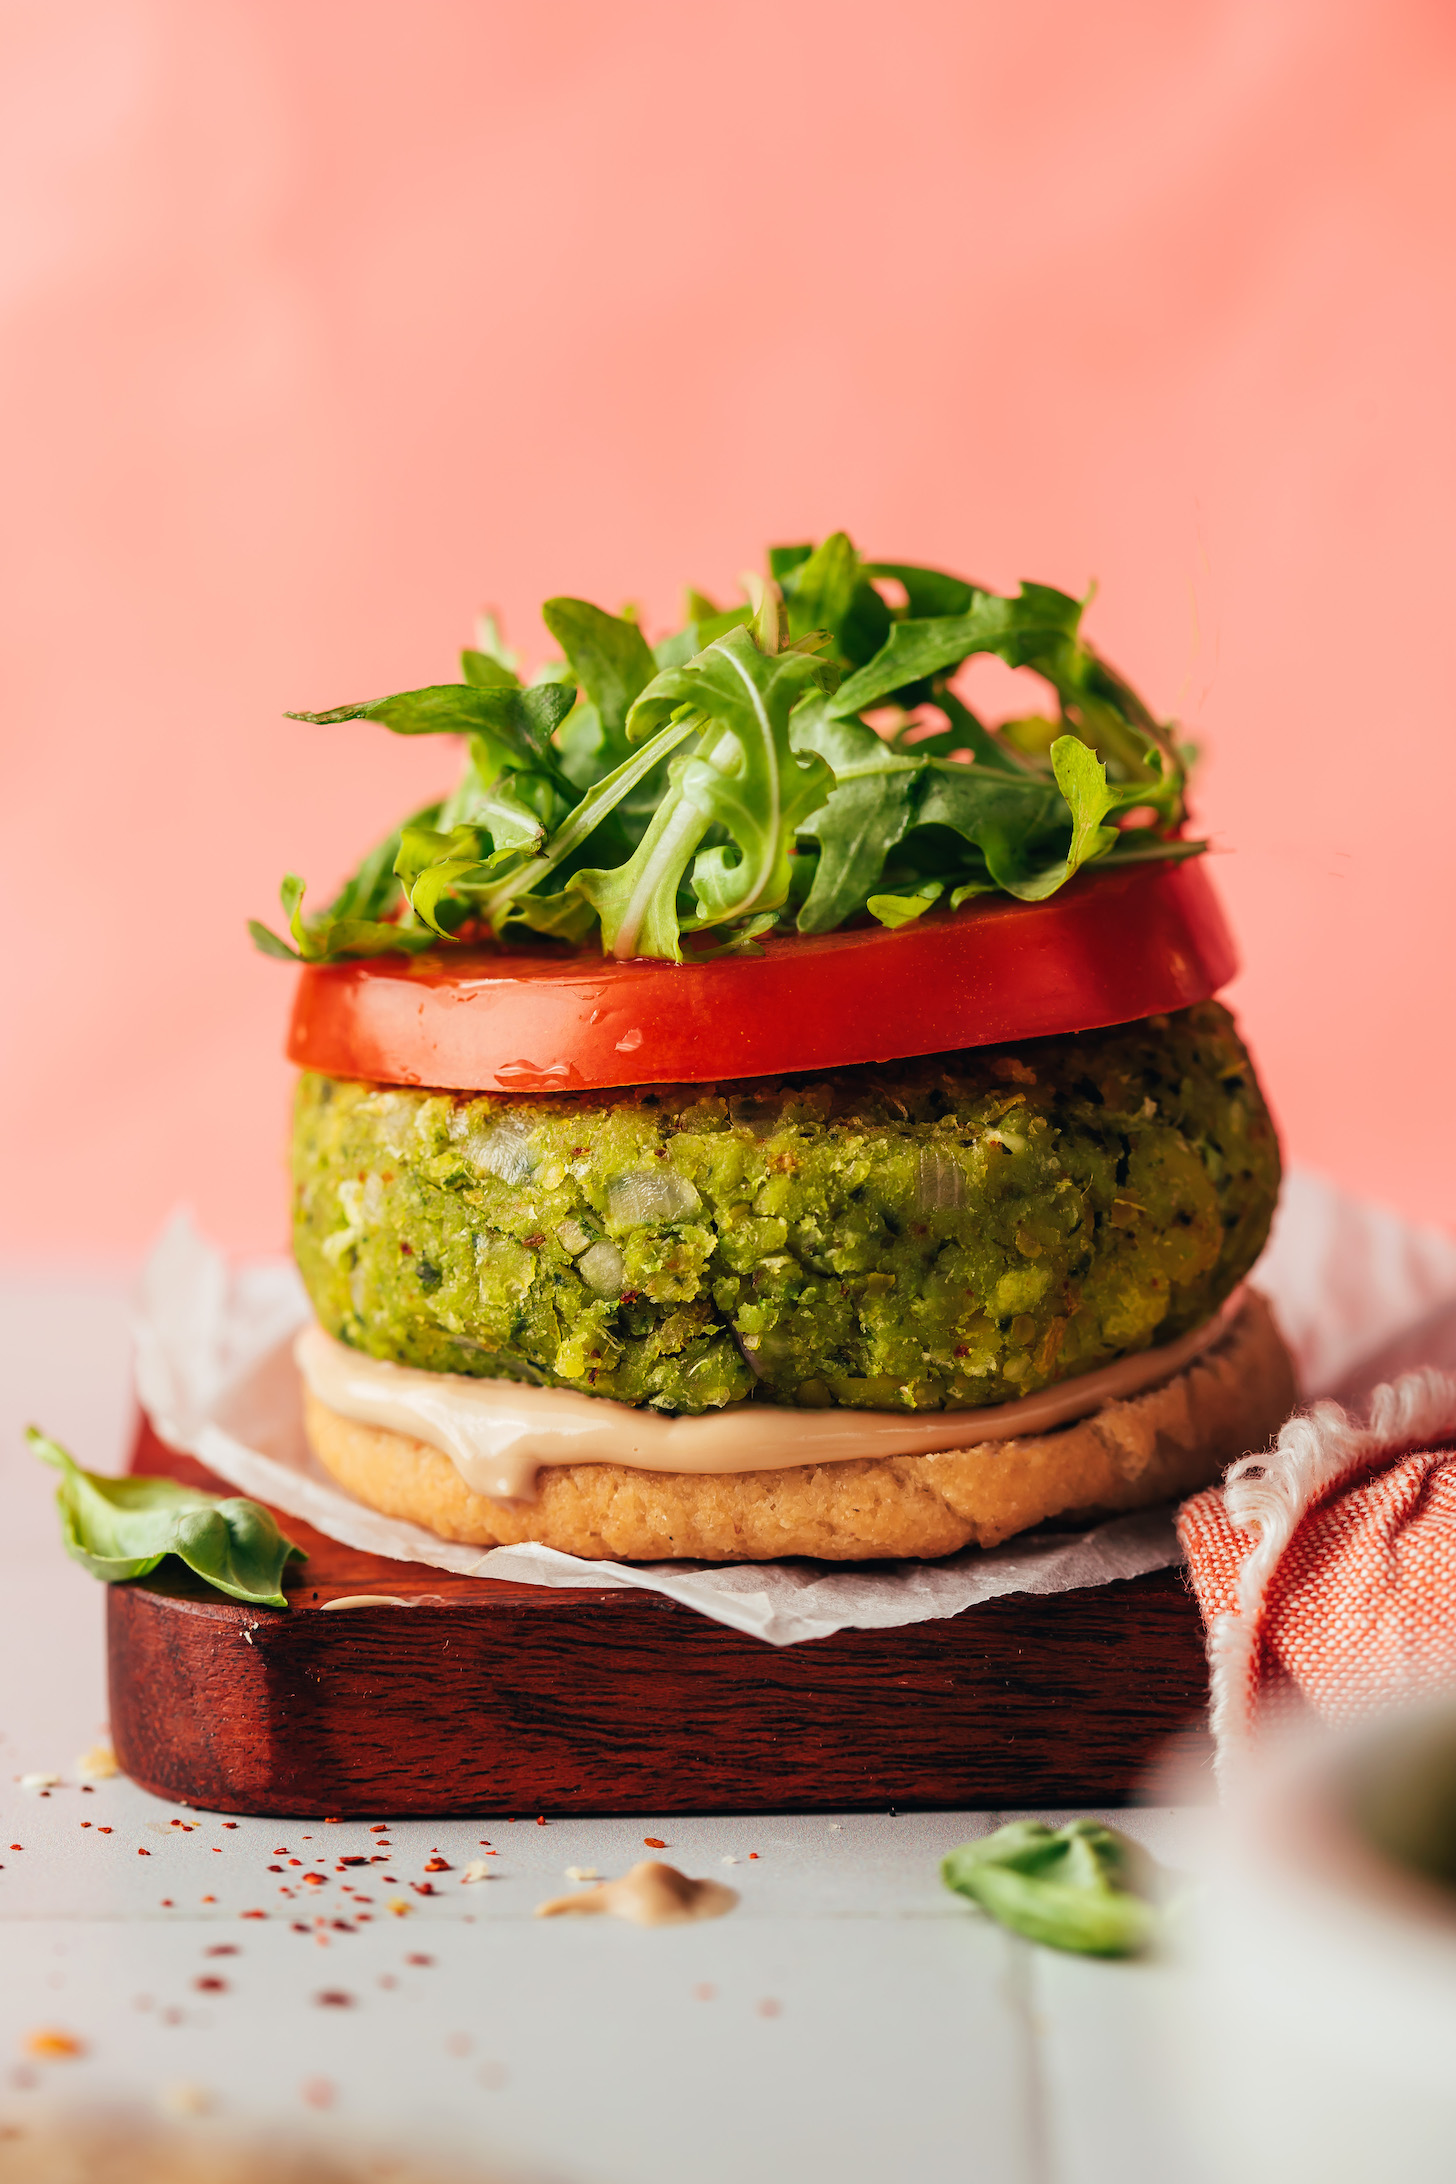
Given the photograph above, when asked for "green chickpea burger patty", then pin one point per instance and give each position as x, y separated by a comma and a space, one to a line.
936, 1234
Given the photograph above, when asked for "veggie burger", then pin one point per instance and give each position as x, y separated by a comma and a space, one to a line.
765, 1110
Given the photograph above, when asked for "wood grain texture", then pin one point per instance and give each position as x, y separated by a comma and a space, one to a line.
501, 1699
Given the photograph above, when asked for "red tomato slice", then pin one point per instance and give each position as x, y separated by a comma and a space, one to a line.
1110, 947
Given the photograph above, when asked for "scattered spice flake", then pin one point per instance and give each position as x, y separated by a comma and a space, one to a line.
333, 1820
753, 1854
654, 1842
184, 2099
253, 1915
167, 1904
398, 1906
540, 1819
86, 1823
209, 1899
334, 1998
419, 1960
432, 1865
100, 1831
210, 1984
223, 1948
318, 2092
20, 1846
316, 1880
424, 1888
50, 2046
360, 1860
769, 2008
142, 1852
379, 1827
230, 1823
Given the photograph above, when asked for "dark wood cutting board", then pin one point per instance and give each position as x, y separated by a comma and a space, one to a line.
507, 1699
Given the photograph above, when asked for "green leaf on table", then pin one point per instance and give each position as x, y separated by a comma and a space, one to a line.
1083, 1887
122, 1528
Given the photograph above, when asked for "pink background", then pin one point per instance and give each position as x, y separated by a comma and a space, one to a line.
324, 325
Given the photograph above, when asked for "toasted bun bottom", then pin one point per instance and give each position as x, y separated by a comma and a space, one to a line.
1165, 1443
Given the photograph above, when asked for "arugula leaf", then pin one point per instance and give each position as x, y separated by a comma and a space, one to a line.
760, 792
1083, 1887
744, 776
897, 910
611, 661
927, 591
522, 721
486, 671
869, 810
1019, 631
505, 897
122, 1528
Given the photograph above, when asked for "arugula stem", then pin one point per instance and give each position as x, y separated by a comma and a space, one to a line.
588, 815
685, 828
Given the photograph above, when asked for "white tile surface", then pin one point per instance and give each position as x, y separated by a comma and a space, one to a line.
861, 2025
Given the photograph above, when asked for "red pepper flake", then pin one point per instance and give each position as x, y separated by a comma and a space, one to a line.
379, 1827
211, 1984
653, 1842
257, 1915
419, 1960
334, 1998
222, 1948
753, 1854
143, 1853
314, 1880
230, 1823
333, 1820
277, 1869
540, 1819
209, 1899
85, 1823
424, 1888
358, 1861
432, 1865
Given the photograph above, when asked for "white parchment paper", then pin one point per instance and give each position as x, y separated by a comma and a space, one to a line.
216, 1377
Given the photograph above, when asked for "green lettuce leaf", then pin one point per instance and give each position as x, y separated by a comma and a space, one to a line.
123, 1528
1083, 1887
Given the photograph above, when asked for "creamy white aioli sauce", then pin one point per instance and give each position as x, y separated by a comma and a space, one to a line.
498, 1433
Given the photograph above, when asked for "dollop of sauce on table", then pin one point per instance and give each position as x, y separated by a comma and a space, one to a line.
652, 1894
